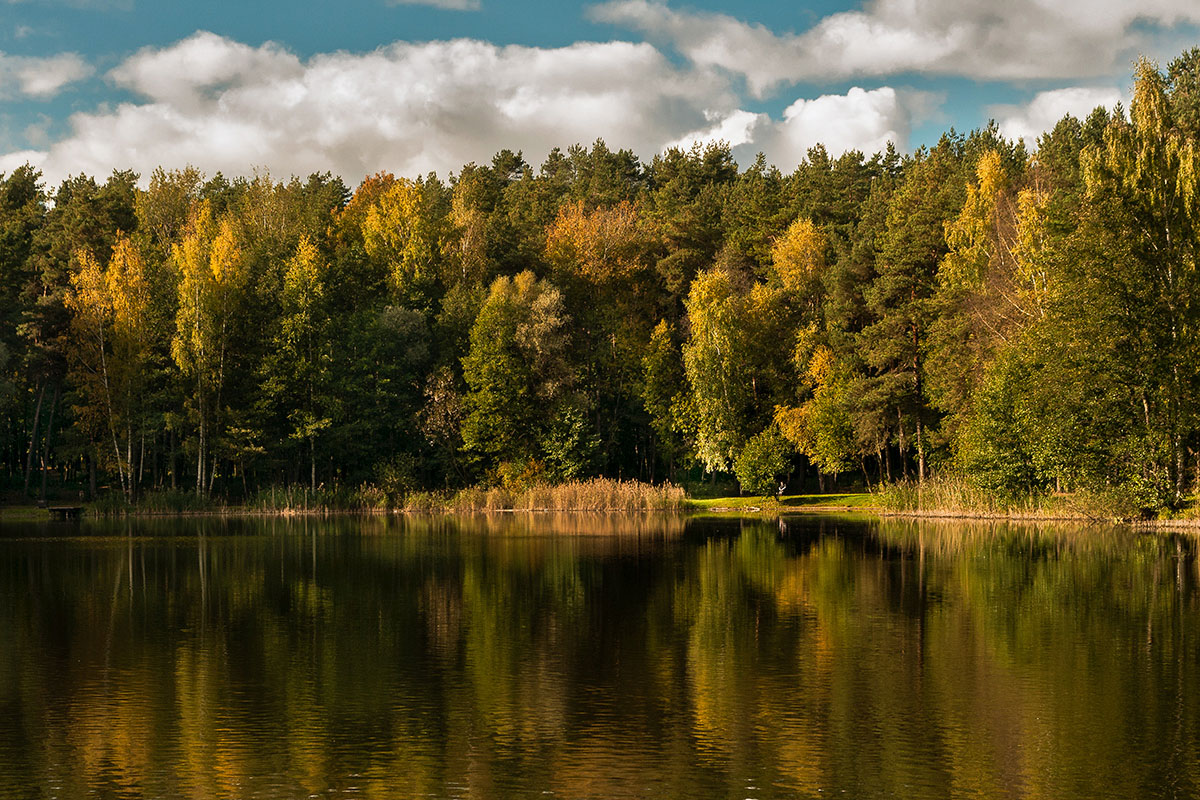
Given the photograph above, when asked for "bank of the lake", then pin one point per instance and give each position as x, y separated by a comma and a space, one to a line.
942, 498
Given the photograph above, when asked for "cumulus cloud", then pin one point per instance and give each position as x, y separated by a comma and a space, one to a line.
40, 77
1041, 114
735, 129
860, 120
411, 108
449, 5
1017, 39
408, 108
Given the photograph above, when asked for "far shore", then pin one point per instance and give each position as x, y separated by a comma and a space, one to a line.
859, 503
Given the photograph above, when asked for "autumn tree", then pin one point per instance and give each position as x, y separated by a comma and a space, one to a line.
211, 279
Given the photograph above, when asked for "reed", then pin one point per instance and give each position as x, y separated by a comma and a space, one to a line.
596, 494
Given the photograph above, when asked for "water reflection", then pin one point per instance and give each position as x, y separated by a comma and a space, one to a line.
597, 657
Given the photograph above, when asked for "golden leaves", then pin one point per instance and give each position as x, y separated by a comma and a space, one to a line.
602, 245
798, 256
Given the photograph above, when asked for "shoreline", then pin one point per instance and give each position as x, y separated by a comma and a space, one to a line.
691, 507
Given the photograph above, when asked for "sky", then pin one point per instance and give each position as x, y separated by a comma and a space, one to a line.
412, 86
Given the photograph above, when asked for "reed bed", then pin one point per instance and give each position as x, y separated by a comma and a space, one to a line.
597, 494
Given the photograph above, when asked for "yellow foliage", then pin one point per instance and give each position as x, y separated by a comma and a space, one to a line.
798, 256
793, 423
601, 245
303, 283
971, 235
128, 290
401, 231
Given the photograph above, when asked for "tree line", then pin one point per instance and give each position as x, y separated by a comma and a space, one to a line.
1029, 319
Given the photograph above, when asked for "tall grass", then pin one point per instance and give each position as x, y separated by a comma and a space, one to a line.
957, 496
597, 494
166, 501
301, 499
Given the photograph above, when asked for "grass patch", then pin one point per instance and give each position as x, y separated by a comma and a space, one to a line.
23, 514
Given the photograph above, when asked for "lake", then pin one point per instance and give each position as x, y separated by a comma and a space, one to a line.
597, 657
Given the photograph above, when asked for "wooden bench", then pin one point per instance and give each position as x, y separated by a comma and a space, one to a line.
65, 512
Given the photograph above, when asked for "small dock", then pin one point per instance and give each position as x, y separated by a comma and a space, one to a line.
65, 512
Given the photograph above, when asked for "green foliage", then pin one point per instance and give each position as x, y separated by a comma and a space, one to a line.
764, 460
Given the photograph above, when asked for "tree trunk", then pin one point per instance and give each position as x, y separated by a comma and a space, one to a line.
920, 451
200, 449
46, 442
37, 418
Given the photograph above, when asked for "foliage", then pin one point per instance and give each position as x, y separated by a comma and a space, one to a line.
763, 462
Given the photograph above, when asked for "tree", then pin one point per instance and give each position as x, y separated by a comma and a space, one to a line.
298, 370
910, 249
518, 377
1144, 182
733, 360
822, 428
763, 462
406, 231
211, 279
110, 347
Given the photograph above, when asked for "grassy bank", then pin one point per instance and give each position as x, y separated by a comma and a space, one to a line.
955, 497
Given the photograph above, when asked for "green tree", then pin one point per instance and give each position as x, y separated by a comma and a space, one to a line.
517, 372
733, 360
298, 369
763, 462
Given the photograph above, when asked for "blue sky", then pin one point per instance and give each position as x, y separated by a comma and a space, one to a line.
366, 85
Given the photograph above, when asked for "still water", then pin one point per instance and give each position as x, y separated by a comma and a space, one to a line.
655, 657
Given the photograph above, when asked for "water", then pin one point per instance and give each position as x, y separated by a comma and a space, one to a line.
582, 657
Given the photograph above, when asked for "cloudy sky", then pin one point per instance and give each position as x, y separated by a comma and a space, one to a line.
409, 86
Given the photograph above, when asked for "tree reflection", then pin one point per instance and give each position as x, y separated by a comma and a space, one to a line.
615, 657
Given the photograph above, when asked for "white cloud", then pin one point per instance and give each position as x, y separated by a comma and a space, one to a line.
410, 108
858, 120
1013, 40
735, 129
40, 77
1041, 114
10, 161
449, 5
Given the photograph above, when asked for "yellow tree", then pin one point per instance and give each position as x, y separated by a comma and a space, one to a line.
111, 343
798, 258
405, 231
212, 277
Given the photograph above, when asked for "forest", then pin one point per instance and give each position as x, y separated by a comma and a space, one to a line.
1023, 316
